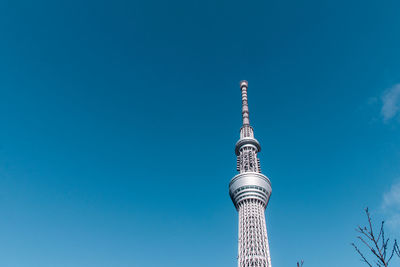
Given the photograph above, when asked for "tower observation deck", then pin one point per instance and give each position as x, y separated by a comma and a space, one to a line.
250, 191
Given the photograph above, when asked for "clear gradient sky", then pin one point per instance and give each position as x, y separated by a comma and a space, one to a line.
119, 118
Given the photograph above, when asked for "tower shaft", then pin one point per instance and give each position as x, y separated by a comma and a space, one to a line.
253, 249
250, 191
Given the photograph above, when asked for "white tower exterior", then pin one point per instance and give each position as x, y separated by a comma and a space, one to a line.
250, 191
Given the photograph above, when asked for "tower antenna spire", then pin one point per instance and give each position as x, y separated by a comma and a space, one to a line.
245, 105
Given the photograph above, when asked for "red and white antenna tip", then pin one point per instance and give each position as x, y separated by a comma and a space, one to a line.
244, 83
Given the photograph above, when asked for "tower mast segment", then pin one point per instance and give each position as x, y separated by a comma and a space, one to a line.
245, 105
250, 191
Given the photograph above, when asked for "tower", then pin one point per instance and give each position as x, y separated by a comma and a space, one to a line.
250, 191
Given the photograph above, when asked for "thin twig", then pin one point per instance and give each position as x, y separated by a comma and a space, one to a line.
362, 255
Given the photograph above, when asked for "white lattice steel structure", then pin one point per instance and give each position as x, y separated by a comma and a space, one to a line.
250, 191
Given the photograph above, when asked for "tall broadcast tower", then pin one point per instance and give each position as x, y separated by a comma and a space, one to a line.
250, 191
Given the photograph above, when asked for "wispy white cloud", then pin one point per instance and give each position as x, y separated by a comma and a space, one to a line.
392, 198
391, 102
394, 222
391, 206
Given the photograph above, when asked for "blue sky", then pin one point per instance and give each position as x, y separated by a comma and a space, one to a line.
119, 119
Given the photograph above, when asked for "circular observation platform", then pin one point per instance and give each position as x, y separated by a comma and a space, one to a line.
250, 185
246, 141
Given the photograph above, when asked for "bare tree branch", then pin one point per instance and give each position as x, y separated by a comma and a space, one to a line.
396, 248
378, 246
